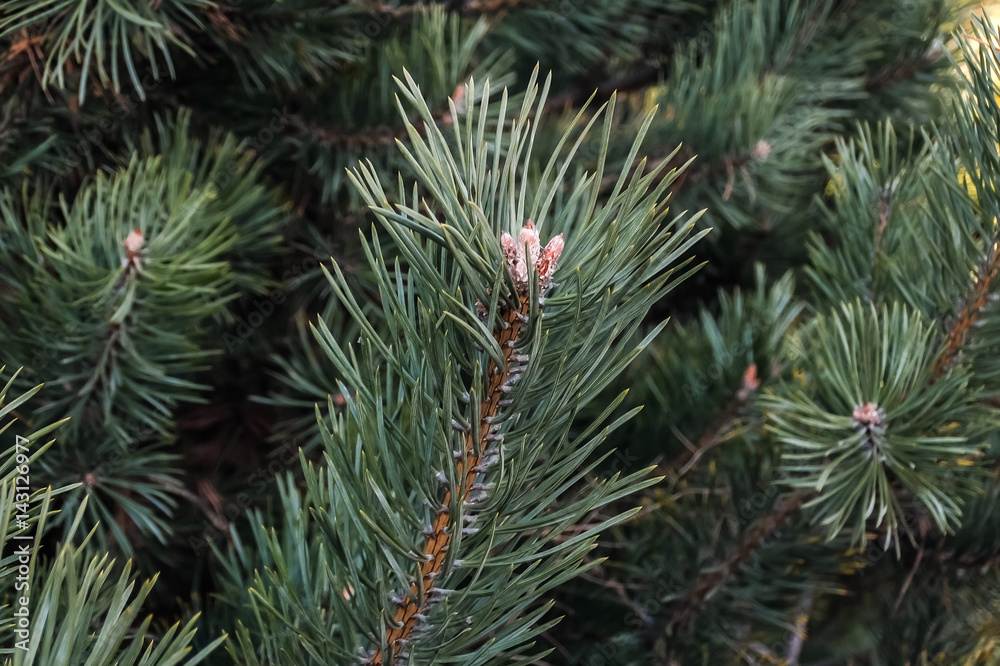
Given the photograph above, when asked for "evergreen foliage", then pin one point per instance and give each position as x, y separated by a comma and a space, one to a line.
346, 313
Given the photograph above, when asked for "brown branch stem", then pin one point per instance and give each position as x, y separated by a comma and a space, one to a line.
436, 549
970, 311
710, 580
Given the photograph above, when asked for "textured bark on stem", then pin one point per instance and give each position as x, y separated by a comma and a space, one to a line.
969, 314
436, 547
710, 580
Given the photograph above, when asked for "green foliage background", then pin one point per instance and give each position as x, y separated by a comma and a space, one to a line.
781, 240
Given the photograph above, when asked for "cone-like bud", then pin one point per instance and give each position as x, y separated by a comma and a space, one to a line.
528, 248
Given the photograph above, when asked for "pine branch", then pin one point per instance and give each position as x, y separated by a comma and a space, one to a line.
799, 636
224, 26
730, 164
408, 612
351, 139
969, 313
902, 69
718, 432
710, 579
24, 49
460, 7
492, 6
366, 138
577, 97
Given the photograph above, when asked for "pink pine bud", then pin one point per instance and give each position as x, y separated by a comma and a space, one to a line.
750, 382
133, 243
509, 246
529, 237
543, 260
549, 260
868, 415
761, 150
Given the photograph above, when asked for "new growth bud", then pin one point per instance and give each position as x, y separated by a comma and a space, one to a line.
527, 248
